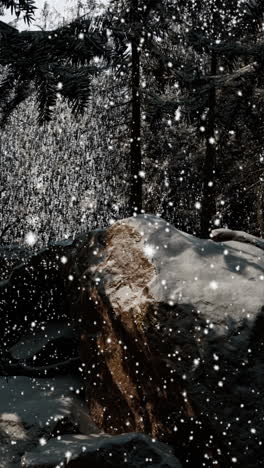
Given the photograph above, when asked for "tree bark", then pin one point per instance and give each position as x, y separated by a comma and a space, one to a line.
260, 198
209, 190
136, 157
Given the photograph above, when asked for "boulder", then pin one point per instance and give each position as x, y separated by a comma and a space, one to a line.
33, 410
171, 339
102, 451
171, 333
53, 342
34, 293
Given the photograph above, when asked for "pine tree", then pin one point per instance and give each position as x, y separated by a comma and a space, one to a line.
134, 26
217, 26
218, 39
26, 8
53, 64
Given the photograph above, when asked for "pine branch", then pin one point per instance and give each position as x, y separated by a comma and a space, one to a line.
18, 7
46, 59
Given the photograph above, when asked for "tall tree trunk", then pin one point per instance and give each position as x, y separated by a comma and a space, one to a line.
209, 190
154, 149
260, 218
136, 158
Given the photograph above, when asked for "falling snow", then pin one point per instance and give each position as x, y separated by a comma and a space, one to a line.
116, 321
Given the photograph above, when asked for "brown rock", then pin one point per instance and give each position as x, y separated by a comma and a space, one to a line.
146, 296
171, 332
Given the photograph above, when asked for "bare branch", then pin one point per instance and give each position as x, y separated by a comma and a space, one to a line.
224, 235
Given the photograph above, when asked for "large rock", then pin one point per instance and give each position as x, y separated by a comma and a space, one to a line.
171, 334
32, 411
33, 293
102, 451
54, 342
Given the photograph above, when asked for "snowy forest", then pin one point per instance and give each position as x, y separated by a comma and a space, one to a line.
153, 107
131, 233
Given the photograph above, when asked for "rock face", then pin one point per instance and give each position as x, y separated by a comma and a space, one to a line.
44, 421
171, 338
33, 293
171, 333
102, 451
32, 411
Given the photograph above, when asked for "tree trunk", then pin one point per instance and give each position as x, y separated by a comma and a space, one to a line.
260, 219
209, 190
136, 159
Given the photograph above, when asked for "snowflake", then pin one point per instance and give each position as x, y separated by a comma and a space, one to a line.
149, 250
68, 455
31, 238
42, 441
212, 141
177, 115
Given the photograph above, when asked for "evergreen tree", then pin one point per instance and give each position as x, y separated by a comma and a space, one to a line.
187, 64
219, 27
218, 39
52, 64
20, 7
135, 27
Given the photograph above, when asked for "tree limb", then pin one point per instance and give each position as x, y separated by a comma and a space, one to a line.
224, 235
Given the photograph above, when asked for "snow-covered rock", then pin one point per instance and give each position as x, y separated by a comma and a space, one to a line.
170, 333
31, 411
53, 342
34, 293
124, 451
